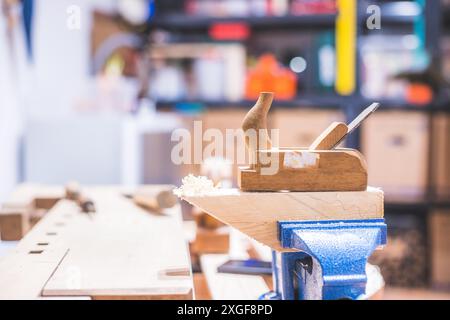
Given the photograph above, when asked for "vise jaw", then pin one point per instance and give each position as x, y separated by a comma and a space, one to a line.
329, 260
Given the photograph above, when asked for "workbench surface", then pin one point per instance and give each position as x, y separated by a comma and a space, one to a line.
120, 252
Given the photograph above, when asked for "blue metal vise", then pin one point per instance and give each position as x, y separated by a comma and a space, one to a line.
329, 261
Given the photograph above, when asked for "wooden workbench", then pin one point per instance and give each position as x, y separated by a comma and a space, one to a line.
120, 252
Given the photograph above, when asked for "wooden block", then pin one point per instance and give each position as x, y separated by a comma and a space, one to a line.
440, 248
34, 199
256, 213
404, 261
306, 170
211, 241
396, 146
14, 224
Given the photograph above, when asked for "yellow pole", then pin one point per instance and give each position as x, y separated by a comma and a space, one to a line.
346, 47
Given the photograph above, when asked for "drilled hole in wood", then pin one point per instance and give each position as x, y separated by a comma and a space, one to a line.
42, 244
36, 252
51, 233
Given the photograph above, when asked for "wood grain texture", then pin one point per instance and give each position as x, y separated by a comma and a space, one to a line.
328, 139
121, 252
26, 269
38, 195
256, 213
338, 170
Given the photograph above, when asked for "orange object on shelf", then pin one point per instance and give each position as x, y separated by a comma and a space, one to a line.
269, 76
418, 93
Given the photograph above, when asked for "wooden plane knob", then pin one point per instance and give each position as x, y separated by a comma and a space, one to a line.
256, 119
330, 137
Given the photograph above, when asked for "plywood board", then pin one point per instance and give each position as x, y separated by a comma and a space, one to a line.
123, 252
27, 267
256, 213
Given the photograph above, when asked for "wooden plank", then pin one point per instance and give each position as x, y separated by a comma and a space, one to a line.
26, 268
256, 213
230, 286
23, 206
14, 223
201, 287
124, 252
24, 274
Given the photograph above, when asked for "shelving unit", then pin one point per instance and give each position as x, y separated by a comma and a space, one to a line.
392, 18
177, 21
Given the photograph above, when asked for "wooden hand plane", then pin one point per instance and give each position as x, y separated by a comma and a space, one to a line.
321, 167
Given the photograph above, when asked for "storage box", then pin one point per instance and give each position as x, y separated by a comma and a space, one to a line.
440, 155
396, 146
439, 226
14, 224
300, 127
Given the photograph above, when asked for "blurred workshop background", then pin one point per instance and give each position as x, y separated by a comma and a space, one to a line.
92, 90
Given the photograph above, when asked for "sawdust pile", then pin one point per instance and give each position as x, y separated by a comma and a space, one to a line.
193, 186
